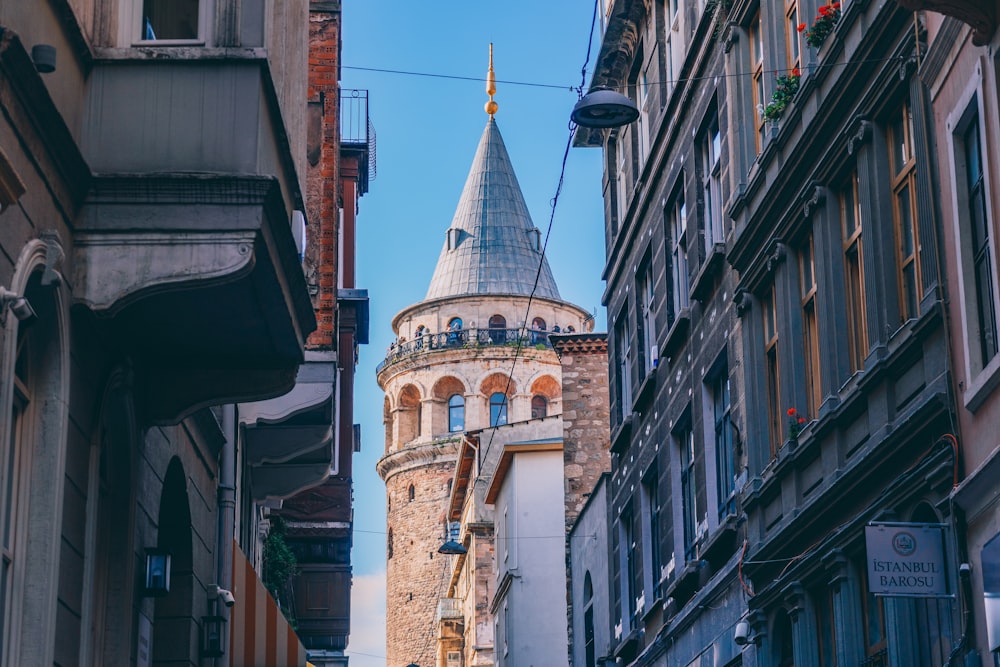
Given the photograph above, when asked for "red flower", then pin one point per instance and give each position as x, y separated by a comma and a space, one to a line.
823, 10
802, 420
802, 26
791, 412
836, 5
796, 72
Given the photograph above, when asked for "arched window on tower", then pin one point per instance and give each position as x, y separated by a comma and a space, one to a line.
498, 329
498, 409
412, 493
456, 413
539, 407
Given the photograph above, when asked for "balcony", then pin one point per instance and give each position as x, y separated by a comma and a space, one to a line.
449, 608
184, 248
357, 134
464, 338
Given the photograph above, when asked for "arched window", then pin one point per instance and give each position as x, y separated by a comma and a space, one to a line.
537, 331
498, 409
412, 492
456, 413
498, 329
539, 407
388, 545
455, 335
588, 621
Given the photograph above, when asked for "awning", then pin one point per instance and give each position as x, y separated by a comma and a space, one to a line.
259, 633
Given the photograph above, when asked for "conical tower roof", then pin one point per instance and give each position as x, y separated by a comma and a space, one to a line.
492, 246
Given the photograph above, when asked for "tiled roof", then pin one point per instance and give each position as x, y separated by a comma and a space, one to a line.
492, 246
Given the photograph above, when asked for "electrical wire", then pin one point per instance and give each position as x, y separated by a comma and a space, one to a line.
649, 84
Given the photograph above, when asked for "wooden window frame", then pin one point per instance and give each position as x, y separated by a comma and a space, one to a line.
854, 272
904, 179
758, 90
772, 370
810, 326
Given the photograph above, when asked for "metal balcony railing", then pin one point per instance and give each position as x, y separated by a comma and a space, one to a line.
449, 608
449, 340
356, 128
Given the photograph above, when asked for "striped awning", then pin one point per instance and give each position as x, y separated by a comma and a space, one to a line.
259, 634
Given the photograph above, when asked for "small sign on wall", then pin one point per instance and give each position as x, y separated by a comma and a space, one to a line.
906, 559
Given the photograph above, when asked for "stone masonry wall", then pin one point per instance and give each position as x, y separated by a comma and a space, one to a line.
416, 575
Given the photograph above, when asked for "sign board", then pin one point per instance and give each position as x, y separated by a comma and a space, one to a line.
906, 559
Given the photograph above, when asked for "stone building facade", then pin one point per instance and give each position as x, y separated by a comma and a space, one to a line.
452, 369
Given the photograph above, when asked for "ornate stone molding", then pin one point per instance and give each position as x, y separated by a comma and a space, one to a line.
815, 196
860, 132
980, 15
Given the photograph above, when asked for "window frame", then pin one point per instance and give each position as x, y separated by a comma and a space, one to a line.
133, 19
769, 316
710, 147
720, 392
454, 408
855, 298
680, 270
498, 409
646, 295
810, 325
684, 442
755, 36
623, 362
903, 178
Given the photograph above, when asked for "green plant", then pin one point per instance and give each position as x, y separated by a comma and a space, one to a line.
822, 26
280, 564
784, 90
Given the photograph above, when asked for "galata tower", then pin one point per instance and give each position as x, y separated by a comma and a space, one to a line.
473, 353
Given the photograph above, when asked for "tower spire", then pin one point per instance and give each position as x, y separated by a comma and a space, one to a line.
491, 86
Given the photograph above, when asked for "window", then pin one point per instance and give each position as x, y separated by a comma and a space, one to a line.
456, 413
873, 619
647, 328
588, 622
711, 182
412, 493
498, 409
640, 95
725, 463
498, 329
757, 78
651, 522
539, 407
685, 448
16, 443
793, 47
170, 19
678, 254
621, 175
782, 651
825, 626
673, 44
769, 311
902, 163
623, 355
854, 273
631, 559
810, 326
977, 241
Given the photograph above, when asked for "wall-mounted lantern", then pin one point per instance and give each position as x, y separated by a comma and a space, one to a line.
157, 572
213, 636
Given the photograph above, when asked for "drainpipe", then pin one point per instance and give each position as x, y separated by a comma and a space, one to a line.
227, 515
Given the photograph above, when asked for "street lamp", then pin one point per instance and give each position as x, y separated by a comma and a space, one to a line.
603, 108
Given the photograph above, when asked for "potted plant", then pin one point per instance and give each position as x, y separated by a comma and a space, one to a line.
824, 23
784, 90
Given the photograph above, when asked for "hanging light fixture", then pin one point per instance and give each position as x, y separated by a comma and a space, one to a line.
602, 107
452, 547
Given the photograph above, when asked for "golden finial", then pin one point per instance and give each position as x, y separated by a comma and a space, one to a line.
491, 86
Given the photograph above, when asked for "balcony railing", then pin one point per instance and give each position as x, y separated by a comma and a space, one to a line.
450, 340
356, 128
449, 608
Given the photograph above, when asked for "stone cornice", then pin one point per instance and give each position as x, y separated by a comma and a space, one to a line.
417, 456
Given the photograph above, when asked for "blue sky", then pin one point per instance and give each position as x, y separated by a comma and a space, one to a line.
427, 130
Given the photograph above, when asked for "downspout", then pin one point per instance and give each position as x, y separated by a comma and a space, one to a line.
227, 516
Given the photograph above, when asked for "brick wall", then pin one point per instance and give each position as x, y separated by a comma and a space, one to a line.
322, 175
